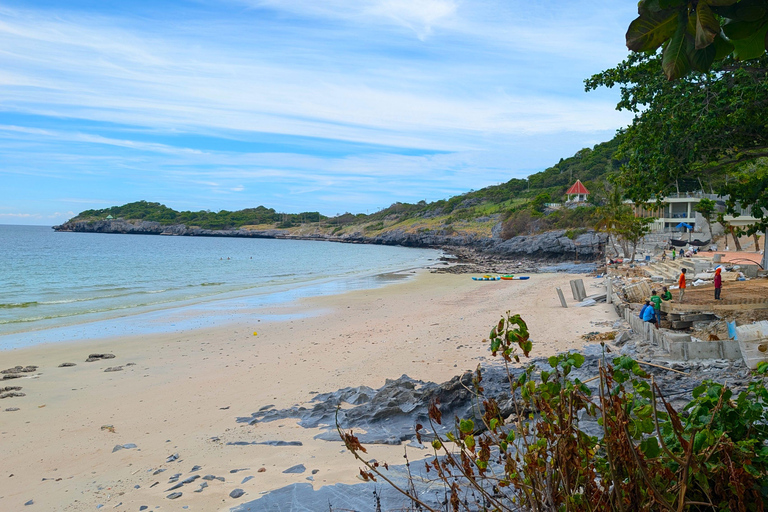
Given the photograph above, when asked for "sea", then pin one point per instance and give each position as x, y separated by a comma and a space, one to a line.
60, 286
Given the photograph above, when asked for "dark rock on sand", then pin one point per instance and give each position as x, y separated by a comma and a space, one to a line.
174, 495
97, 357
12, 394
66, 365
20, 369
202, 486
114, 369
195, 468
236, 493
9, 376
12, 409
268, 443
123, 447
298, 468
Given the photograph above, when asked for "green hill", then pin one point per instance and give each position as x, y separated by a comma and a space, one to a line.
519, 203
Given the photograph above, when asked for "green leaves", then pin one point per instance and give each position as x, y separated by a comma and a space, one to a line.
466, 426
688, 36
707, 27
650, 30
752, 46
675, 62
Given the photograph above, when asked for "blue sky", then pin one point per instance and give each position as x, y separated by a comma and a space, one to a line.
298, 105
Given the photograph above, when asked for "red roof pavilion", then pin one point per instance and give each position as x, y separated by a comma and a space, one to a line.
577, 188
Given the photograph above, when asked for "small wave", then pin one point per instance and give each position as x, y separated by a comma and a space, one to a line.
210, 284
14, 305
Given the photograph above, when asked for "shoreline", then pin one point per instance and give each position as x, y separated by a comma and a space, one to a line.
184, 391
179, 315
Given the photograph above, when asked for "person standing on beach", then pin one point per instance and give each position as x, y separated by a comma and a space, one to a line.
656, 300
681, 284
674, 253
718, 283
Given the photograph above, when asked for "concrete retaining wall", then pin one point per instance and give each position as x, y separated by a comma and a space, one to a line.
679, 345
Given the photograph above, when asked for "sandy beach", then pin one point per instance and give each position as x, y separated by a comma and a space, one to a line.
180, 393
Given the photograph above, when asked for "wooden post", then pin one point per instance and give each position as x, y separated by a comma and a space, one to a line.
608, 290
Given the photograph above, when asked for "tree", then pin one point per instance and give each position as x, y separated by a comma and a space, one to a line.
694, 34
630, 230
709, 127
618, 219
608, 216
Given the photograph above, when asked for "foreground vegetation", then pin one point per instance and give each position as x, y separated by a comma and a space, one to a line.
711, 455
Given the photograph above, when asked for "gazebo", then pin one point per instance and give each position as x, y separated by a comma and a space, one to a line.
577, 193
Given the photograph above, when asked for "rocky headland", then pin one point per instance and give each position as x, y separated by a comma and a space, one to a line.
550, 246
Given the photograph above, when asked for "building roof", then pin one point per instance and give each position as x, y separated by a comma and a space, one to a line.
577, 188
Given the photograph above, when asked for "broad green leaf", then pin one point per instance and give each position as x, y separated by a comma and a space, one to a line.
753, 46
544, 376
436, 444
494, 423
578, 359
648, 32
510, 436
735, 29
466, 426
723, 48
701, 60
650, 447
750, 10
674, 60
553, 361
707, 27
469, 441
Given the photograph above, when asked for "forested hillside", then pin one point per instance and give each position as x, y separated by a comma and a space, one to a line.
518, 203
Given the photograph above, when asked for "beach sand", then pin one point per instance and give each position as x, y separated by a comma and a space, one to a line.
184, 391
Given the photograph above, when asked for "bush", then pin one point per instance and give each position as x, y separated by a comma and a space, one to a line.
712, 455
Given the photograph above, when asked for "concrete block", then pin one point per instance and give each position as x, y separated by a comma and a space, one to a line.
562, 299
749, 270
575, 291
608, 290
731, 350
582, 290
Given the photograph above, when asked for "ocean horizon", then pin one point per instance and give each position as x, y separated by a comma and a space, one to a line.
58, 287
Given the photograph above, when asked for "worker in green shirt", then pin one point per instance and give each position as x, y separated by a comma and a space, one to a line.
656, 301
667, 295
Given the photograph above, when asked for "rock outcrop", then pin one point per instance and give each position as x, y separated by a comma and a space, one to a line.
552, 246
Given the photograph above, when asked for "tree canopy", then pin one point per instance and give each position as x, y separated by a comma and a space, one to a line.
705, 130
693, 34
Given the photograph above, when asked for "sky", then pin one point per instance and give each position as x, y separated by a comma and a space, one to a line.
298, 105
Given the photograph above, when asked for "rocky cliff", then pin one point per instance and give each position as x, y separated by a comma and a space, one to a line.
553, 245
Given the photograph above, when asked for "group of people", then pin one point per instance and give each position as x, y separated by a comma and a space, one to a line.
675, 253
651, 311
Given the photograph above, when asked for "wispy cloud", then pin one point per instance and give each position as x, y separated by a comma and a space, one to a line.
279, 96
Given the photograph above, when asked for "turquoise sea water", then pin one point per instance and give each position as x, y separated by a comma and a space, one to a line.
68, 286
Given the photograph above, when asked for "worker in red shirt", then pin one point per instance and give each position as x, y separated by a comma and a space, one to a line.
718, 283
681, 284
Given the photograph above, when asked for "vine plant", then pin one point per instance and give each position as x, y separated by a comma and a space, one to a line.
710, 455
